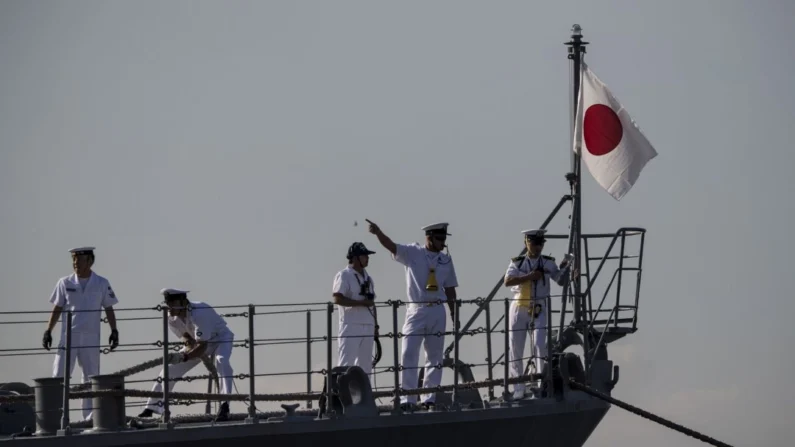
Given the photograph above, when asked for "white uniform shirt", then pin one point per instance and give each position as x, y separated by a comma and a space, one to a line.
526, 265
347, 282
96, 295
202, 323
418, 261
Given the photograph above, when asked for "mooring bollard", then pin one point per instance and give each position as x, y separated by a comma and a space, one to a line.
110, 413
49, 399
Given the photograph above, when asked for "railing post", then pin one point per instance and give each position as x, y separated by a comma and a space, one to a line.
507, 355
396, 357
252, 410
329, 375
548, 376
67, 368
309, 357
166, 421
456, 312
488, 349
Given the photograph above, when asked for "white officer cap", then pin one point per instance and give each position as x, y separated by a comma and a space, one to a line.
440, 227
534, 234
82, 250
167, 292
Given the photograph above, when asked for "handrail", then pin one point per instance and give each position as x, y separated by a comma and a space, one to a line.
252, 342
167, 346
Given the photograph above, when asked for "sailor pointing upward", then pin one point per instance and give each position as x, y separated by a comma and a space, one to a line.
85, 294
528, 276
430, 282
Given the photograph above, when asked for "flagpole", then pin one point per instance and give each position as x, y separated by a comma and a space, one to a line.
576, 51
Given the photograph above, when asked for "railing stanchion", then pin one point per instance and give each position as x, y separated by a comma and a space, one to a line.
329, 394
309, 357
65, 429
166, 424
507, 356
396, 357
456, 312
488, 349
252, 410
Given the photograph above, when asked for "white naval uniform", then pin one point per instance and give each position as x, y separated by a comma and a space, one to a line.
356, 324
93, 294
423, 316
202, 323
520, 314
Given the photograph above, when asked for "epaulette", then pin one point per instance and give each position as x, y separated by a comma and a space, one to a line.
518, 258
551, 258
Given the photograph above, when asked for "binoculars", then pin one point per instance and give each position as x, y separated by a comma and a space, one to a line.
364, 290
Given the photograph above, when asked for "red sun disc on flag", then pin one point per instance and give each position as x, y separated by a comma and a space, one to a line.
602, 130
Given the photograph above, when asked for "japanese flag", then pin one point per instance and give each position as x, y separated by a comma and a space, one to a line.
615, 148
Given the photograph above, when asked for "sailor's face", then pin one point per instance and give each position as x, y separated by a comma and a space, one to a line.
534, 246
436, 241
364, 260
176, 308
81, 262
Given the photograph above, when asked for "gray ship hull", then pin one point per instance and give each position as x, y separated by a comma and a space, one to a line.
542, 422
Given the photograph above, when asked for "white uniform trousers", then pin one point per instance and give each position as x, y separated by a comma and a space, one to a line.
421, 325
355, 346
220, 350
85, 351
520, 326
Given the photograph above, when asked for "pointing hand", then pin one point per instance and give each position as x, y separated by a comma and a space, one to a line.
373, 227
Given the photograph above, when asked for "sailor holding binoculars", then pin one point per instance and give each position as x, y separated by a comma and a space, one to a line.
430, 282
354, 293
528, 277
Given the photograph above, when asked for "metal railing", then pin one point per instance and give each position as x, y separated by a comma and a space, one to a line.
250, 342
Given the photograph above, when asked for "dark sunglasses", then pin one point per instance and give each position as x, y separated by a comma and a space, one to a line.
535, 241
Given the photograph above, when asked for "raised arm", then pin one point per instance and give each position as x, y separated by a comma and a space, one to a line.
558, 274
382, 238
514, 276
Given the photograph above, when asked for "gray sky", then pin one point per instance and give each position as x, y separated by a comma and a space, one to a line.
228, 149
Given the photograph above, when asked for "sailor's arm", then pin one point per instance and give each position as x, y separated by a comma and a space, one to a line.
514, 276
558, 274
383, 239
511, 281
54, 316
188, 340
111, 314
451, 294
341, 300
197, 351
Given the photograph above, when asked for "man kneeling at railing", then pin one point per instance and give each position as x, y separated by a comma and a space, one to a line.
205, 333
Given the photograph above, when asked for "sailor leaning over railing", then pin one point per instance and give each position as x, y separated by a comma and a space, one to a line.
528, 276
353, 292
430, 282
205, 333
85, 294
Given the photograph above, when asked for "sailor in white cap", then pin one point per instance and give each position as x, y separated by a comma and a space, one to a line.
353, 291
205, 333
85, 293
430, 282
528, 277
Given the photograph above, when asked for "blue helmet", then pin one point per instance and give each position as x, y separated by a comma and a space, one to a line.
358, 249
